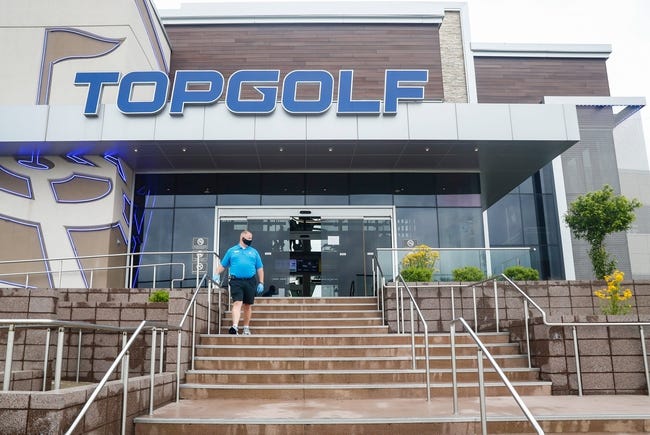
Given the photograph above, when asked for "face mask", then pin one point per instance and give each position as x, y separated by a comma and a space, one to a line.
247, 242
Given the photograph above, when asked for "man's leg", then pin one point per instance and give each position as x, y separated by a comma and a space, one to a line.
248, 312
236, 312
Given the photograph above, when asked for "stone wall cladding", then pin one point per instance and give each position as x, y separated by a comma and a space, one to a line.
53, 412
453, 59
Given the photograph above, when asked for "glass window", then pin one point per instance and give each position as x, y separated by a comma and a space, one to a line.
460, 227
370, 199
326, 200
283, 184
196, 200
415, 200
158, 225
451, 184
160, 201
413, 184
418, 224
239, 184
370, 184
529, 219
190, 223
504, 220
238, 199
283, 199
459, 200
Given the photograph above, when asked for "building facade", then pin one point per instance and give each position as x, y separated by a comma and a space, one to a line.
330, 133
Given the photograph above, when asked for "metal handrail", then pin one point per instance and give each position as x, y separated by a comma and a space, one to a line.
483, 350
93, 269
378, 283
125, 373
413, 303
190, 305
128, 256
48, 324
574, 325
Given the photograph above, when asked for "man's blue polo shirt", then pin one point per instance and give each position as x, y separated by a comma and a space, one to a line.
243, 262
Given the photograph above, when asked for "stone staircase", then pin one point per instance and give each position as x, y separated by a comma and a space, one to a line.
330, 366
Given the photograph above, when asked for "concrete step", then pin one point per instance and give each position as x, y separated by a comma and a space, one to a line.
349, 376
306, 308
561, 414
344, 340
351, 300
257, 323
353, 391
347, 363
362, 351
313, 329
281, 315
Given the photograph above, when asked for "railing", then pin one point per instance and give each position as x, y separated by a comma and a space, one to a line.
378, 283
573, 325
413, 304
481, 381
129, 267
123, 358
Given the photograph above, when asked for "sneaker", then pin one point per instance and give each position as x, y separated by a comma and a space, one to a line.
247, 331
233, 331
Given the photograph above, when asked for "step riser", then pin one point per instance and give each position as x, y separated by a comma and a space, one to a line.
307, 352
306, 309
314, 330
287, 393
287, 315
349, 378
262, 323
401, 428
364, 340
404, 364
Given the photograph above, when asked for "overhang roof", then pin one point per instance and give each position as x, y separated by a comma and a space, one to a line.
504, 143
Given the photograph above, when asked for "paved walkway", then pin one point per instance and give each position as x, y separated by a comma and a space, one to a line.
385, 410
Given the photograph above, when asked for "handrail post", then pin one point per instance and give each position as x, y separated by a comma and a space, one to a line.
92, 278
46, 358
209, 305
125, 366
125, 390
153, 284
475, 309
152, 370
397, 286
413, 357
453, 304
178, 366
496, 304
78, 356
59, 358
193, 336
383, 300
162, 349
219, 311
577, 356
60, 272
481, 386
427, 369
26, 280
644, 354
526, 326
9, 357
401, 295
454, 382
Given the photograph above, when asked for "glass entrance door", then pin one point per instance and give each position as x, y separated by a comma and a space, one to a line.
320, 252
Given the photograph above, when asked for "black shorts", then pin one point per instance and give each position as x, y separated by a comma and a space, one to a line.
243, 289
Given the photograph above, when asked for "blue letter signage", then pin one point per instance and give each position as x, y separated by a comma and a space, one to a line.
204, 87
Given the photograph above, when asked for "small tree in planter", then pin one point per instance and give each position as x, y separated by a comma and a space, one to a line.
521, 273
468, 274
420, 265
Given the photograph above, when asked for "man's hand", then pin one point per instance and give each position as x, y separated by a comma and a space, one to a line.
216, 279
260, 289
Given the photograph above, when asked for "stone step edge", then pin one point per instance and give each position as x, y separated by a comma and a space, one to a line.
349, 358
147, 419
353, 372
346, 346
392, 334
359, 386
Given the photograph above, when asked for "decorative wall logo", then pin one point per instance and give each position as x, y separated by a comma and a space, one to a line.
398, 85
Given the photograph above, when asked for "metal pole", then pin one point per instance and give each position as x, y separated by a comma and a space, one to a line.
92, 277
219, 311
644, 354
60, 272
453, 305
401, 297
454, 382
397, 303
412, 336
152, 369
193, 330
178, 366
125, 389
481, 387
26, 280
162, 349
577, 355
496, 304
10, 354
154, 277
426, 361
475, 310
124, 367
59, 359
78, 357
383, 301
198, 254
209, 305
46, 358
526, 321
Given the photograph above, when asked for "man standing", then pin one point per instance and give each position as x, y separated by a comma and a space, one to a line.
245, 265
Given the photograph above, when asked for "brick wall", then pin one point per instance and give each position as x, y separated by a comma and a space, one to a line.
53, 412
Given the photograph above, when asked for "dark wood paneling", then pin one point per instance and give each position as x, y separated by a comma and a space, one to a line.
528, 80
368, 49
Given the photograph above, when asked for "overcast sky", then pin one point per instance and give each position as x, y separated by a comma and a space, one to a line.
624, 24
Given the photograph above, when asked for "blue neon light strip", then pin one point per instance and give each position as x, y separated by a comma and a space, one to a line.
118, 164
80, 160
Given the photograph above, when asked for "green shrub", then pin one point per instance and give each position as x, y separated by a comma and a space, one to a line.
521, 273
468, 274
159, 296
417, 274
